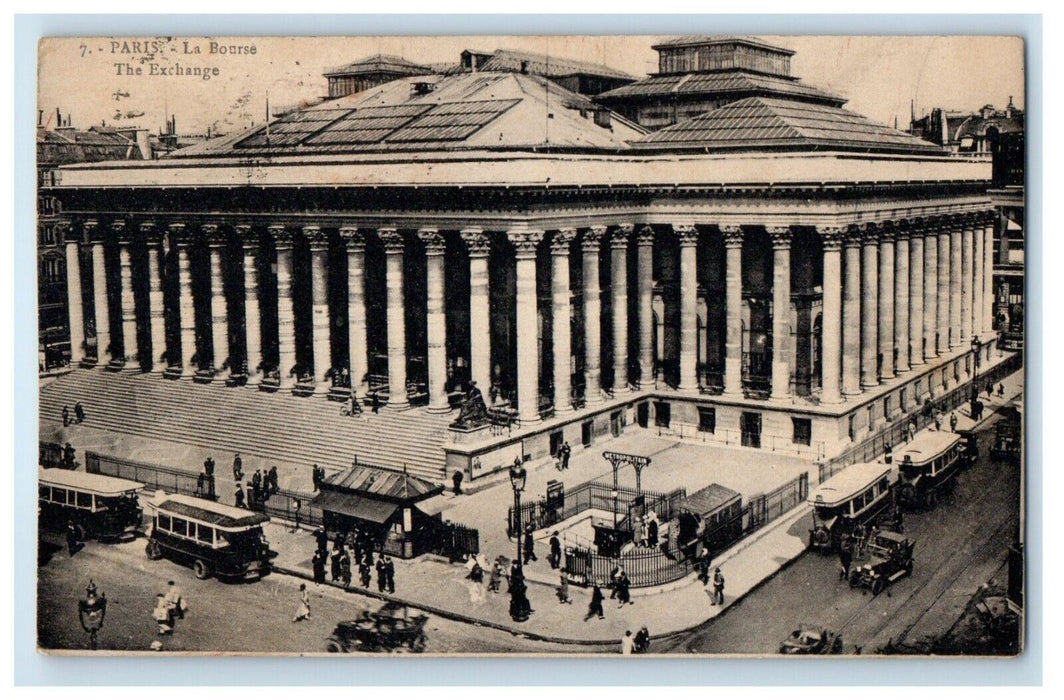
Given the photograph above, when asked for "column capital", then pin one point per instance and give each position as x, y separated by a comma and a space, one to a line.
973, 220
561, 241
214, 234
592, 241
621, 235
902, 229
988, 217
435, 244
249, 238
853, 237
941, 225
176, 231
781, 236
831, 237
118, 226
392, 240
62, 228
870, 233
153, 235
733, 235
315, 237
91, 229
281, 235
478, 242
354, 239
645, 235
923, 226
525, 241
686, 234
887, 231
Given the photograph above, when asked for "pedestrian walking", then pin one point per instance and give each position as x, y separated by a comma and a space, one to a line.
567, 451
238, 468
297, 505
495, 582
375, 404
382, 578
69, 456
563, 591
615, 574
66, 416
1001, 390
911, 430
239, 497
555, 557
845, 559
718, 587
345, 568
79, 412
162, 615
175, 599
627, 643
642, 641
456, 479
953, 422
303, 611
364, 573
275, 483
321, 538
256, 480
389, 573
334, 565
72, 539
624, 594
530, 544
595, 606
652, 530
318, 564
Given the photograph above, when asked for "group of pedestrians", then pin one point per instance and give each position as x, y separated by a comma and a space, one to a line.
169, 608
79, 414
260, 487
561, 460
639, 643
350, 549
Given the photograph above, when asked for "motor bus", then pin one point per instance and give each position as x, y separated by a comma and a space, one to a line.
99, 506
927, 466
214, 539
853, 498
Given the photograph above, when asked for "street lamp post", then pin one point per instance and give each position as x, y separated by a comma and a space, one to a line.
976, 351
91, 610
520, 608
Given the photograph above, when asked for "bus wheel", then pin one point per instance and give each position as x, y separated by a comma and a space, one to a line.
79, 532
201, 569
877, 586
333, 646
153, 550
932, 499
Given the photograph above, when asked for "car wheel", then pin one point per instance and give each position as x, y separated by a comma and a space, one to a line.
854, 578
201, 569
877, 586
334, 646
153, 550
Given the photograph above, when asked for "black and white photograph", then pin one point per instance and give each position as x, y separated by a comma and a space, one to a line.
631, 344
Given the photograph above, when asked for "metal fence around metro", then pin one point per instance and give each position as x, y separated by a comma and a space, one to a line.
595, 495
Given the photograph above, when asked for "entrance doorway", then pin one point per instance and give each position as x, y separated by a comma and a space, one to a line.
586, 432
662, 414
642, 414
750, 425
616, 423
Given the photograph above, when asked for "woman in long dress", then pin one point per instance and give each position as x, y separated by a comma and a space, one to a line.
303, 613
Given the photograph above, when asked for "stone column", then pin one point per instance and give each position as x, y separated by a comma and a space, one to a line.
394, 248
357, 352
219, 309
592, 314
286, 328
688, 239
930, 231
525, 243
102, 322
321, 332
186, 309
978, 287
479, 245
249, 240
886, 302
733, 309
781, 311
916, 294
619, 297
851, 314
74, 307
988, 275
645, 290
870, 306
561, 310
967, 234
942, 315
831, 334
436, 321
156, 311
901, 297
129, 309
955, 274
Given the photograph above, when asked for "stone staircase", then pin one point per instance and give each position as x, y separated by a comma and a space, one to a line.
275, 426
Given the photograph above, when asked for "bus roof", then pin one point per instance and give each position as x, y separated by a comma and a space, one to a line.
209, 512
926, 445
97, 483
848, 483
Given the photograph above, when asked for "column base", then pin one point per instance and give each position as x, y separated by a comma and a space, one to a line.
831, 401
780, 397
529, 420
688, 389
253, 380
648, 385
865, 385
397, 405
439, 408
847, 395
887, 377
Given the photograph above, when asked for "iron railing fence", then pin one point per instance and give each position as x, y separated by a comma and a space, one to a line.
593, 495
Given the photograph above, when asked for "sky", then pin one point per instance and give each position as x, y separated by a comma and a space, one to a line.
878, 75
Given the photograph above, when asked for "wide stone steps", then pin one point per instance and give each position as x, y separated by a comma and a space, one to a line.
273, 426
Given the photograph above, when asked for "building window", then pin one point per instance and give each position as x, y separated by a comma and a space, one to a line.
903, 399
852, 429
803, 431
886, 407
707, 419
871, 415
662, 414
956, 371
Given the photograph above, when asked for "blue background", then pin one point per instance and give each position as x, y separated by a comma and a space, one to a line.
34, 669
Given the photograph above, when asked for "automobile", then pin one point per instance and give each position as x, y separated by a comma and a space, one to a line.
391, 628
889, 557
811, 639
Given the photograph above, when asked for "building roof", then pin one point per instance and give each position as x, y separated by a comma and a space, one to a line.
927, 444
707, 40
382, 484
725, 84
356, 506
97, 483
216, 514
759, 123
510, 61
496, 111
709, 499
379, 63
848, 483
83, 146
